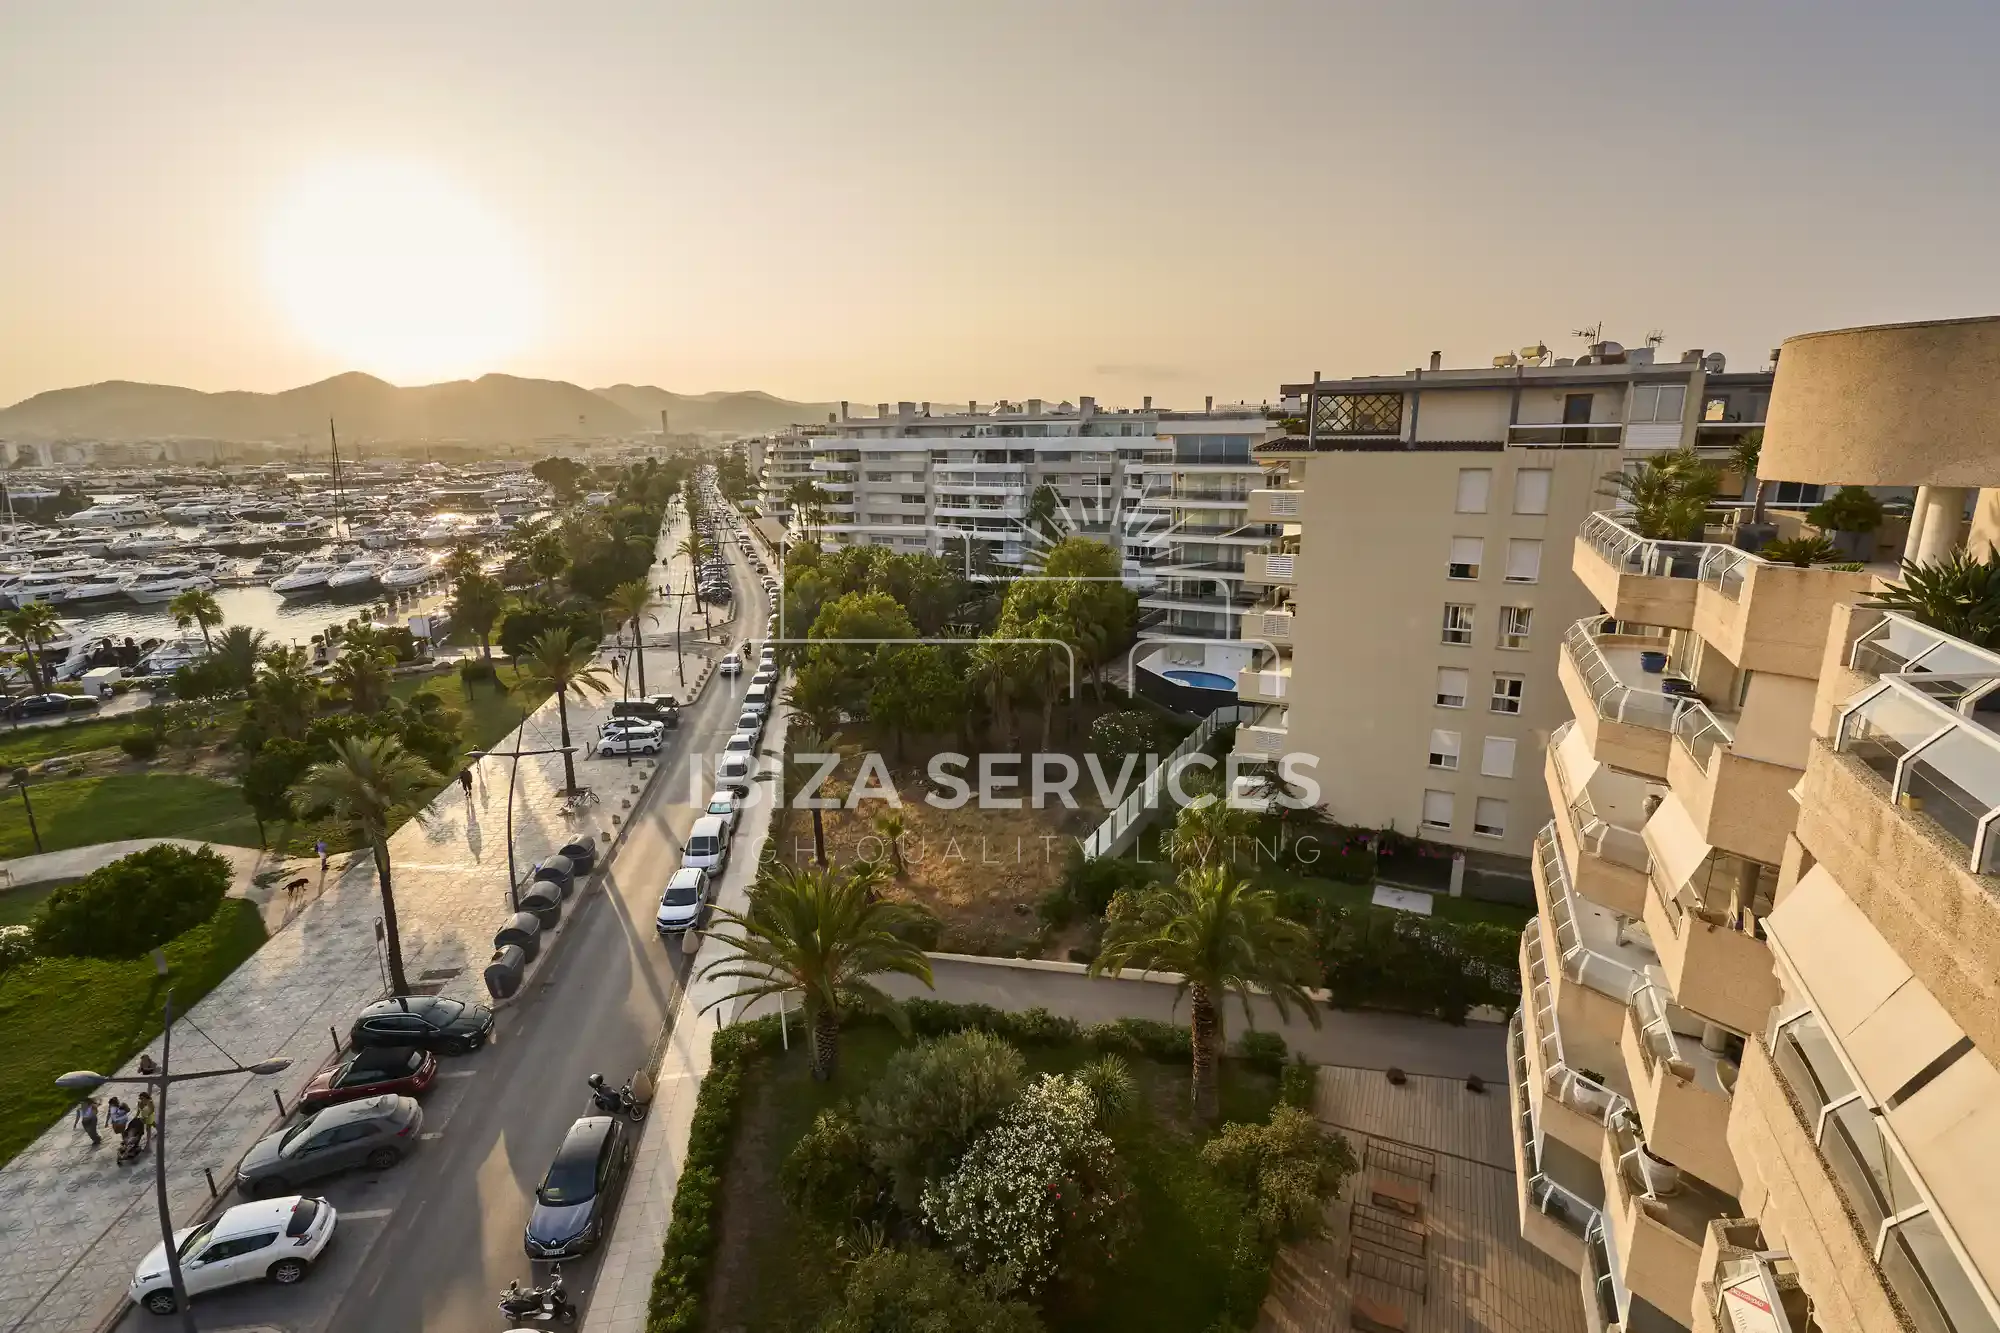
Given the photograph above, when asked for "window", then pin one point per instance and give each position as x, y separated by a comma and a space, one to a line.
1437, 809
1514, 622
1531, 490
1451, 687
1465, 556
1507, 693
909, 499
1576, 409
1658, 402
1489, 817
1444, 750
1496, 758
1473, 484
1358, 413
1457, 623
881, 476
1715, 409
1524, 560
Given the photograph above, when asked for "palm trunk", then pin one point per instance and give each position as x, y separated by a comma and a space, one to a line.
569, 760
485, 648
826, 1043
392, 937
1763, 495
208, 644
639, 656
1205, 1031
819, 839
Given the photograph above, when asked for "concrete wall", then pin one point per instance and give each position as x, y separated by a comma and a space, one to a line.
1684, 1122
1888, 405
1775, 725
1463, 415
1738, 804
1643, 599
1777, 622
1719, 973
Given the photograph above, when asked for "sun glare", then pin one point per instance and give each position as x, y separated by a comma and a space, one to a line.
391, 268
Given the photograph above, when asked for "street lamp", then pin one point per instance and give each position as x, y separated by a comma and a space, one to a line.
21, 781
513, 881
158, 1078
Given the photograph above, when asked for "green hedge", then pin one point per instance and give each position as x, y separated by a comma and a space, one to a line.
682, 1279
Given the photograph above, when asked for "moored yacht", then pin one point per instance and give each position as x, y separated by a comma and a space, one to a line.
306, 577
171, 656
113, 514
406, 572
163, 583
357, 575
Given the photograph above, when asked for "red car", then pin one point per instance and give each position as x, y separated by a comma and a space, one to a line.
369, 1073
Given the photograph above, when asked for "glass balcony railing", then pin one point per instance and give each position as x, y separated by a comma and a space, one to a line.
1598, 947
1601, 837
1572, 1086
1931, 738
1629, 553
1613, 698
1898, 645
1564, 1206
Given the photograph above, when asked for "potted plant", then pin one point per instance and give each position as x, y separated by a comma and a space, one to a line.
1851, 514
1804, 552
1959, 595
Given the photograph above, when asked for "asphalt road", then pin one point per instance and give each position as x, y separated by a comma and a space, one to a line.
429, 1244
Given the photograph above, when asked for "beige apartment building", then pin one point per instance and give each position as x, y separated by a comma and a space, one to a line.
1760, 1001
1423, 586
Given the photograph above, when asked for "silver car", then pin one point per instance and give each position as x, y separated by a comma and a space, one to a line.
374, 1133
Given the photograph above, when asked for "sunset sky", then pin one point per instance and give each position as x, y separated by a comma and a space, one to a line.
972, 199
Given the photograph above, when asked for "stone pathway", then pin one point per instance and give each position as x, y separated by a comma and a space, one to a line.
73, 1224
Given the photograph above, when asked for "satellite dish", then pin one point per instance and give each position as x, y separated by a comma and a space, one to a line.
1714, 362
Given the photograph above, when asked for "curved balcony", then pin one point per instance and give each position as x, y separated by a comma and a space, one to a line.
1599, 814
1625, 712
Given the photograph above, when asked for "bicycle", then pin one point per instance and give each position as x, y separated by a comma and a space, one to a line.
578, 801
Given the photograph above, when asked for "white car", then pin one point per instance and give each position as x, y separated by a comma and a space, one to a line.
631, 724
274, 1239
751, 721
733, 769
723, 806
633, 741
741, 742
764, 676
684, 901
730, 665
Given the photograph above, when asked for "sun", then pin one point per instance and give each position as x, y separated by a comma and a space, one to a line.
396, 271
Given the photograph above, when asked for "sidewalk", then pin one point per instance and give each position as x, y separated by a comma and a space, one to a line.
73, 1225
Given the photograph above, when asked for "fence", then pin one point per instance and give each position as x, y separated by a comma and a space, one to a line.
1119, 831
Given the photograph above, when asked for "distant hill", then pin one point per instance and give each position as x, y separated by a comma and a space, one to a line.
491, 408
748, 412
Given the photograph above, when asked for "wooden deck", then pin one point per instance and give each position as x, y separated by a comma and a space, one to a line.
1475, 1272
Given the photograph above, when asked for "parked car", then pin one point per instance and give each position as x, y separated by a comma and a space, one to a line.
647, 726
632, 741
741, 742
750, 721
764, 676
730, 665
374, 1132
684, 901
434, 1022
404, 1070
708, 844
661, 708
578, 1197
274, 1240
723, 806
48, 705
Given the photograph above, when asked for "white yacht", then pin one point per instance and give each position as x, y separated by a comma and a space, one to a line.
306, 577
171, 656
445, 529
357, 575
99, 584
38, 585
163, 583
142, 544
113, 514
406, 572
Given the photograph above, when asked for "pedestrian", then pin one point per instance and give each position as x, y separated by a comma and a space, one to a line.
320, 846
86, 1120
465, 780
118, 1117
144, 1113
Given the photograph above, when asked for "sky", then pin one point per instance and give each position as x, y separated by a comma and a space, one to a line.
976, 199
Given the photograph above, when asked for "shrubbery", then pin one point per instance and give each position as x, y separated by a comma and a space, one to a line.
918, 1291
136, 903
140, 744
932, 1101
17, 946
1289, 1168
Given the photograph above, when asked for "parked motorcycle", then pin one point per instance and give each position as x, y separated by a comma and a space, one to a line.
545, 1304
628, 1101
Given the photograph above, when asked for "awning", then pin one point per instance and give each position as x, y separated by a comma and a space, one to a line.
1676, 846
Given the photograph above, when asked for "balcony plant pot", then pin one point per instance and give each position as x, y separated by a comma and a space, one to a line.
1753, 537
1652, 663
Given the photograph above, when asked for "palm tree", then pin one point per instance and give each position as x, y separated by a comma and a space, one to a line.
370, 782
462, 563
361, 676
286, 695
1223, 936
1744, 457
546, 557
196, 606
476, 602
32, 626
692, 551
628, 601
815, 931
237, 651
557, 663
1959, 594
1206, 830
816, 719
1668, 494
889, 824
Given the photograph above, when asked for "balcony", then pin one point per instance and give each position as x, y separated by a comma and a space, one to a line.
1683, 1075
1265, 737
993, 512
1635, 578
1270, 568
1599, 955
1265, 685
1276, 504
1931, 737
1599, 814
1274, 626
1578, 1077
1601, 435
1555, 1217
1769, 617
1740, 804
1705, 916
1624, 712
1741, 1271
1657, 1216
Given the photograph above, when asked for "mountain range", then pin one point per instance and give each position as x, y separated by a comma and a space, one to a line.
491, 408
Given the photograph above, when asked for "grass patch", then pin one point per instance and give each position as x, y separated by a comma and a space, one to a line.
487, 714
30, 745
86, 1013
775, 1272
81, 811
18, 905
1443, 906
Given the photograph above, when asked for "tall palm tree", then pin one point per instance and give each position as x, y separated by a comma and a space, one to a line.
1223, 936
815, 931
559, 664
368, 785
692, 551
476, 602
32, 626
815, 729
286, 694
546, 557
628, 602
361, 676
196, 606
1206, 830
237, 651
462, 563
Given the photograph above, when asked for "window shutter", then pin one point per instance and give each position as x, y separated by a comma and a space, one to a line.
1524, 560
1452, 684
1437, 809
1489, 816
1531, 490
1496, 759
1473, 484
1466, 553
1444, 749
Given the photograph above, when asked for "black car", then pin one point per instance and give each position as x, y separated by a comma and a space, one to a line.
430, 1022
47, 705
578, 1197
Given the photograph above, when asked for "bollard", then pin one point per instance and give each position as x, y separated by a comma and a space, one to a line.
212, 1191
279, 1098
336, 1038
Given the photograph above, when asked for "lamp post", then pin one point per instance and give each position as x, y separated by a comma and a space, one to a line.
515, 754
21, 781
159, 1078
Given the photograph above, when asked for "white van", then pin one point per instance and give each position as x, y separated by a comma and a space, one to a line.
708, 844
759, 698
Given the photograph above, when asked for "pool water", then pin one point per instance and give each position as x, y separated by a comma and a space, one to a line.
1201, 680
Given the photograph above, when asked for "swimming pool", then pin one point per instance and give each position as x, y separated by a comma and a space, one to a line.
1201, 680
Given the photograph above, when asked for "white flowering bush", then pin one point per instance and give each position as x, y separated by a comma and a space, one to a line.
1038, 1196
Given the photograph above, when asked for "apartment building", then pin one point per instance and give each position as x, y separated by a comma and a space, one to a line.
1753, 1062
990, 485
785, 461
1420, 582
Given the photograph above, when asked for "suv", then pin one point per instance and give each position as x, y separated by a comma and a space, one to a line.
374, 1133
661, 708
276, 1239
575, 1201
682, 904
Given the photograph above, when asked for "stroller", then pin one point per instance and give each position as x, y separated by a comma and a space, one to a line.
133, 1143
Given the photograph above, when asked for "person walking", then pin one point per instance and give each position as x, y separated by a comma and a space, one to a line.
145, 1113
86, 1120
117, 1116
465, 780
320, 847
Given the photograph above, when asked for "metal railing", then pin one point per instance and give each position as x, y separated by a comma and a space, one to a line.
1580, 962
1599, 836
1614, 700
1572, 1087
1568, 1209
1939, 761
1701, 732
1898, 645
1629, 553
1132, 812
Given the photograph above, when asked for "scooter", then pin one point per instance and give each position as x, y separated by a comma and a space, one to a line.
628, 1101
539, 1305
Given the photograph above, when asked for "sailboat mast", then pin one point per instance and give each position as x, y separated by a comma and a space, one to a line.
334, 437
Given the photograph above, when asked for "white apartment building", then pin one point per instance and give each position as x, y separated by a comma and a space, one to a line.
1755, 1080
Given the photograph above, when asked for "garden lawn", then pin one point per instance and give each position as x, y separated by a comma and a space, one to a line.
487, 714
774, 1274
1443, 906
29, 745
81, 811
61, 1014
18, 905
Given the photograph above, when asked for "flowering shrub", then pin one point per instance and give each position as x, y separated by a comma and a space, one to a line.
1038, 1195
